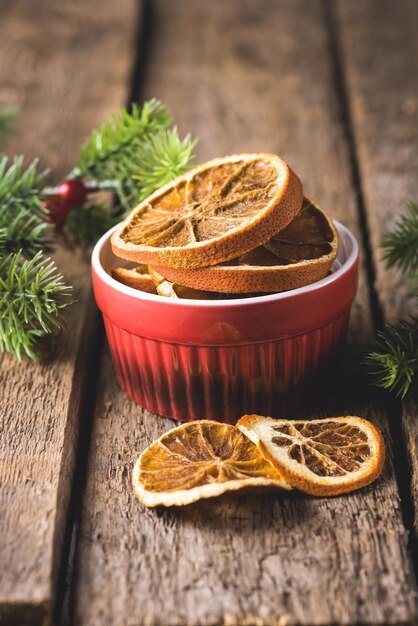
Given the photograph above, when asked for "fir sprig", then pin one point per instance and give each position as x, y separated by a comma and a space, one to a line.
132, 155
393, 363
119, 137
32, 298
160, 160
135, 153
22, 215
401, 245
105, 154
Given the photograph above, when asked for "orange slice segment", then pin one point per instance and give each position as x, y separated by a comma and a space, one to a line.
321, 457
199, 460
137, 277
213, 213
298, 255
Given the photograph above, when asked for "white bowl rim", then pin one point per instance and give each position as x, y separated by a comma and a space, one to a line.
143, 296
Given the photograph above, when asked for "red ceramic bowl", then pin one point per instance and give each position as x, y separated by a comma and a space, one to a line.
191, 359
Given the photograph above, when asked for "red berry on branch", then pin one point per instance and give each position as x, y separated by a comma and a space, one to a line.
73, 192
70, 194
57, 210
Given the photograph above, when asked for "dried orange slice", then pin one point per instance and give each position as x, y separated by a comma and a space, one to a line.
136, 277
198, 460
172, 290
298, 255
322, 457
168, 289
213, 213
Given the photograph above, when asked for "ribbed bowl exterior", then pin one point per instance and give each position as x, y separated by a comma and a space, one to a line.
189, 360
224, 382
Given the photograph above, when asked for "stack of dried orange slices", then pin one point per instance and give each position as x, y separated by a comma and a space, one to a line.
204, 459
232, 227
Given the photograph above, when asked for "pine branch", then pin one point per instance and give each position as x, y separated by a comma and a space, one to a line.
132, 154
118, 140
22, 215
119, 136
135, 153
160, 160
32, 298
393, 362
401, 245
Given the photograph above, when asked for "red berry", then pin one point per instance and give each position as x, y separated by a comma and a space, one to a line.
73, 192
57, 210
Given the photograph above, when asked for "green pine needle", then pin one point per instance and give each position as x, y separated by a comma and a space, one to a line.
32, 298
401, 245
22, 216
393, 363
160, 160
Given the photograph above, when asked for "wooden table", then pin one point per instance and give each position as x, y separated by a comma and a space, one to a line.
332, 86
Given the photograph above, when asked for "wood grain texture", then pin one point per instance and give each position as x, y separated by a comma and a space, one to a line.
380, 55
66, 66
255, 79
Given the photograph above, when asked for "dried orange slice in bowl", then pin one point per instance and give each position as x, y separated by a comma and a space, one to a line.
168, 289
211, 214
136, 277
298, 255
198, 460
321, 457
172, 290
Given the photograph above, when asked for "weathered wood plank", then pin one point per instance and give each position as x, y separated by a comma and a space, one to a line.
255, 79
66, 65
380, 53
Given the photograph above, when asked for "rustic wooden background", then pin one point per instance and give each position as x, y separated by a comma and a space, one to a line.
332, 86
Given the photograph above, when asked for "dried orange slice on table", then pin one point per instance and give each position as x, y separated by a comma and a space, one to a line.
213, 213
298, 255
321, 457
199, 460
137, 277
